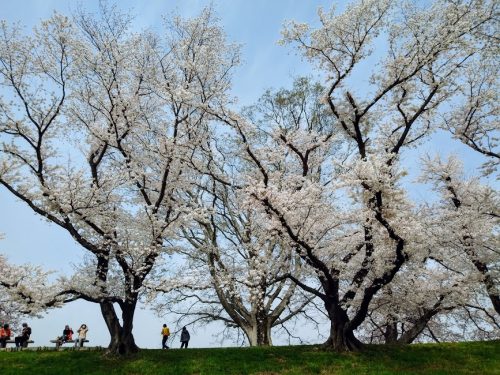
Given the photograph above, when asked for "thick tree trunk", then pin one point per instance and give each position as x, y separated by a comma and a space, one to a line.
341, 337
391, 332
264, 335
122, 340
263, 329
259, 335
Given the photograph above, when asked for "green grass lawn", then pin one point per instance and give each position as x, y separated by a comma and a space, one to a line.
457, 358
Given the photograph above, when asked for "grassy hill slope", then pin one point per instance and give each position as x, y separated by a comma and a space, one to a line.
456, 358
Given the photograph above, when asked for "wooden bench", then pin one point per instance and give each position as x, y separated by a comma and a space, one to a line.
25, 345
59, 343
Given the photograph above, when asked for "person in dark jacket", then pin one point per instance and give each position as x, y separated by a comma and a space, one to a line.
184, 338
22, 340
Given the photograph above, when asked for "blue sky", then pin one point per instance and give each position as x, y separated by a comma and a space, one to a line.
256, 25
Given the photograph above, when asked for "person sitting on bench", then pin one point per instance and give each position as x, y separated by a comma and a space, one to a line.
5, 334
22, 341
82, 335
66, 336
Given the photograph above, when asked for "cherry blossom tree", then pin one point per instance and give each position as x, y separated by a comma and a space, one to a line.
98, 125
233, 274
451, 284
108, 134
25, 290
469, 213
353, 222
235, 246
474, 114
415, 301
459, 275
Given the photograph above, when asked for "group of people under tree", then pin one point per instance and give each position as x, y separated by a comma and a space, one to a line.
165, 332
21, 341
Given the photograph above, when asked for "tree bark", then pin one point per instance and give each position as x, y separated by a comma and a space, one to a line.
122, 340
259, 334
391, 332
263, 333
341, 337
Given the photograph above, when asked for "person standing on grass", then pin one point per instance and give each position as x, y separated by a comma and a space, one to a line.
5, 334
82, 335
165, 332
185, 338
22, 341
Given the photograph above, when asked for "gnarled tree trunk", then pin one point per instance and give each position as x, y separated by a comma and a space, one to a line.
341, 337
122, 340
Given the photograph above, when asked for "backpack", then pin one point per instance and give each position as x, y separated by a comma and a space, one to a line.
28, 331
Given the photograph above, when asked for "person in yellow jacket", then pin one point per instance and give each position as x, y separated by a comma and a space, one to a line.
165, 332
